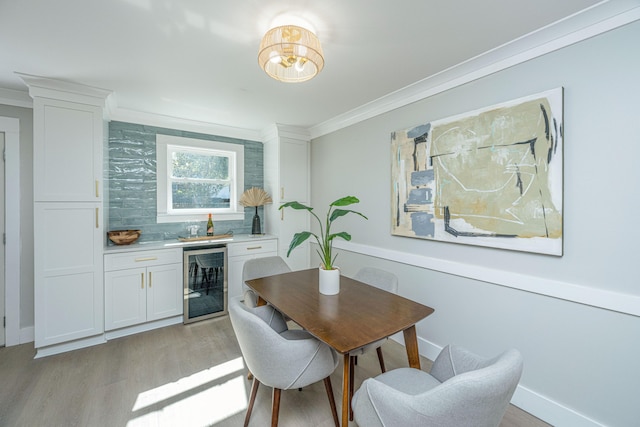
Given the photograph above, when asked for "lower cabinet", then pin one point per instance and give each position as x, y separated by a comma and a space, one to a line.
239, 253
142, 286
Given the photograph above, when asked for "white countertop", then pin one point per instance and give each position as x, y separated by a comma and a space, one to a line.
166, 244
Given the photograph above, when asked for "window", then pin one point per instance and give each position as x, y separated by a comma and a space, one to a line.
196, 177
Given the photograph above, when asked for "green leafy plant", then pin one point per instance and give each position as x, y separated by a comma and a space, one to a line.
325, 239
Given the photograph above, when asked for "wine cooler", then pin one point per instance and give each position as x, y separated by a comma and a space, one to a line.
205, 283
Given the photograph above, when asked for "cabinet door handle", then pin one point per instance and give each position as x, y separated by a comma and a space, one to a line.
141, 280
281, 193
149, 279
97, 217
252, 248
97, 191
149, 258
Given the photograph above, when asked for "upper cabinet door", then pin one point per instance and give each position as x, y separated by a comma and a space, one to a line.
294, 170
67, 151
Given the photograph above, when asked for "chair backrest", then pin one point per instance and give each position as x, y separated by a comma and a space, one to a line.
263, 267
274, 360
381, 279
475, 391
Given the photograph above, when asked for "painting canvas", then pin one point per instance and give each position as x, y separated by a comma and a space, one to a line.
491, 177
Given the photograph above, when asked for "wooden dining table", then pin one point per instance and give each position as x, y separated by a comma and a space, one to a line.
358, 315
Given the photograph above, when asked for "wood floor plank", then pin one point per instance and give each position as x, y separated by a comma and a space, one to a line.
187, 375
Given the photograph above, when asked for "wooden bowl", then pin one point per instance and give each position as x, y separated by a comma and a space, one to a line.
124, 237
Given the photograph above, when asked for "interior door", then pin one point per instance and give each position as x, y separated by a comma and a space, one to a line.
2, 250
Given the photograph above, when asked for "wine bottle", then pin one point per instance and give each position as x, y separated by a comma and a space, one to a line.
210, 226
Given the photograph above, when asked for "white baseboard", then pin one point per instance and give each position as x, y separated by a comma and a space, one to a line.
526, 399
136, 329
553, 412
68, 346
27, 335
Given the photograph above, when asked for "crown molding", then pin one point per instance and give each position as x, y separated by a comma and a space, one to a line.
116, 113
602, 17
277, 130
45, 87
152, 119
15, 98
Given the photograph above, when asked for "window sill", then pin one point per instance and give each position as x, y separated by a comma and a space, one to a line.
164, 218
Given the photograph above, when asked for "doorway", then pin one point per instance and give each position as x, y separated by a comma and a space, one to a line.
2, 249
10, 299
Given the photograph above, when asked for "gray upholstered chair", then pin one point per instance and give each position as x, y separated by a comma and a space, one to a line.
278, 357
263, 267
463, 389
384, 280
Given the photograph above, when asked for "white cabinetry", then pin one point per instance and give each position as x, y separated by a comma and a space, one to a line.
68, 272
67, 151
142, 286
68, 232
286, 178
239, 253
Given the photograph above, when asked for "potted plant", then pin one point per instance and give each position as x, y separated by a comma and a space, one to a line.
325, 239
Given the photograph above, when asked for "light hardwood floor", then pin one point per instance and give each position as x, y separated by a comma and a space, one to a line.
176, 376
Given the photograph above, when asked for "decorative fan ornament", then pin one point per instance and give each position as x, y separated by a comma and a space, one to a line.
255, 197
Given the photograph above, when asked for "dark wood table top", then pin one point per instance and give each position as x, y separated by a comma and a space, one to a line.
358, 315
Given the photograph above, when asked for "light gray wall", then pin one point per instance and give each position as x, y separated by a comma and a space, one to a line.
581, 362
25, 115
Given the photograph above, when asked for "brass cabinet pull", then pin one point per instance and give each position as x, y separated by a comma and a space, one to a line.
150, 258
149, 279
97, 217
97, 191
281, 192
141, 280
254, 248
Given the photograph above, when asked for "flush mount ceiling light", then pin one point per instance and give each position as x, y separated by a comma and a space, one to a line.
290, 54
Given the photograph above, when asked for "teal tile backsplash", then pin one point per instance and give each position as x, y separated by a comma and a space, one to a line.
132, 181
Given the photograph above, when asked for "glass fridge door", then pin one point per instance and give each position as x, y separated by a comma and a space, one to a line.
205, 283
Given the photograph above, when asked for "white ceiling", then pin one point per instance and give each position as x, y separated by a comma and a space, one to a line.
197, 59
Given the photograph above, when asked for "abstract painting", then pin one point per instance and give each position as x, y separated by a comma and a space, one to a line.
490, 177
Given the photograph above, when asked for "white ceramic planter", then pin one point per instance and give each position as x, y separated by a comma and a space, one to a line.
329, 281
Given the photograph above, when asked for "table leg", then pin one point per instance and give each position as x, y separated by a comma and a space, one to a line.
345, 390
260, 302
411, 344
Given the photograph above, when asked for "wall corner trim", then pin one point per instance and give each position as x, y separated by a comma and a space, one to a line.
580, 294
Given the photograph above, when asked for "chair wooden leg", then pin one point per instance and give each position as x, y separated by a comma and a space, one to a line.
252, 398
381, 359
276, 407
332, 401
352, 362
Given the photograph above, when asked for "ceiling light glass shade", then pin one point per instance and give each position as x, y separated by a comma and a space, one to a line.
290, 54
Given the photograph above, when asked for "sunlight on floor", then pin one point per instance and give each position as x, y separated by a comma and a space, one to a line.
202, 399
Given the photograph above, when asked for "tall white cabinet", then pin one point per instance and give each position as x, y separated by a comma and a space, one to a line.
68, 230
286, 178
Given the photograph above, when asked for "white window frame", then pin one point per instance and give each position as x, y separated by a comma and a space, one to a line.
165, 145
